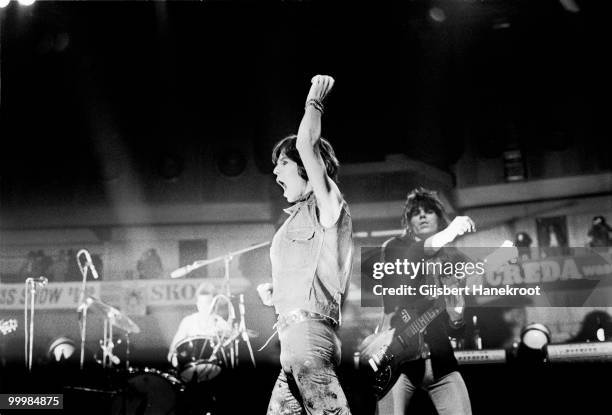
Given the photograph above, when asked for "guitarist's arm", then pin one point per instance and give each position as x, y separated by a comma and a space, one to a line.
455, 305
459, 226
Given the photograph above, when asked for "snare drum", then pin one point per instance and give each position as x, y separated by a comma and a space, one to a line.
199, 358
148, 391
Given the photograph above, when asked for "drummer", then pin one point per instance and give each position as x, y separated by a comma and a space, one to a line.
202, 323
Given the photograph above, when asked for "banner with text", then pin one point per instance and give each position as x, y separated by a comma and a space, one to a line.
131, 296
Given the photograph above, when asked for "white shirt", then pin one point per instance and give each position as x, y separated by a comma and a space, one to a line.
199, 324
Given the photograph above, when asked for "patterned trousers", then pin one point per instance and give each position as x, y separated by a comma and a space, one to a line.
308, 384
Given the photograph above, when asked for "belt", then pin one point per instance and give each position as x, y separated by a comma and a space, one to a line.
297, 316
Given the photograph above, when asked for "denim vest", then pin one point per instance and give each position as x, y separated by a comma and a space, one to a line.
311, 264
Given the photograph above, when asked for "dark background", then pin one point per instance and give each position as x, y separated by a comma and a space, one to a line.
86, 81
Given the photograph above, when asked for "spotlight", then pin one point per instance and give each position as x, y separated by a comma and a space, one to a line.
534, 339
4, 3
437, 14
26, 2
61, 349
535, 336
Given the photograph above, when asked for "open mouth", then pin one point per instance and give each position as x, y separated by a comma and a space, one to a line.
281, 184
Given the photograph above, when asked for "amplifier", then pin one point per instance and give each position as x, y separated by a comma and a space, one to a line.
574, 352
479, 357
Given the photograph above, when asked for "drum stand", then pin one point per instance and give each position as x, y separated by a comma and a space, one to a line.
242, 330
241, 327
127, 351
112, 318
107, 345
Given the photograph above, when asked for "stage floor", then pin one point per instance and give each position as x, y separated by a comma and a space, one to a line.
501, 389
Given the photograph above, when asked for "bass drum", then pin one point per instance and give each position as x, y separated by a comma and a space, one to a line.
199, 358
148, 391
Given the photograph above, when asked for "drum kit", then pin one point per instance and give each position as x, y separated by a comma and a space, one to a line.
202, 358
145, 390
196, 361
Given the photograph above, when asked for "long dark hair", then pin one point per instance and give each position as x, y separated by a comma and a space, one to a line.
288, 147
427, 200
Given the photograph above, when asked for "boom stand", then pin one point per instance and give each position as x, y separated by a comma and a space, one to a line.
83, 306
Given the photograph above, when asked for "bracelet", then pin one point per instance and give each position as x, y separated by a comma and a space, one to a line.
316, 104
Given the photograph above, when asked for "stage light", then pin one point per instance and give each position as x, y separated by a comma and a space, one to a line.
535, 336
532, 348
26, 2
437, 14
4, 3
61, 349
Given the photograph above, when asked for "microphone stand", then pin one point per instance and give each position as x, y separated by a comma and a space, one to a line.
243, 331
82, 308
30, 287
232, 314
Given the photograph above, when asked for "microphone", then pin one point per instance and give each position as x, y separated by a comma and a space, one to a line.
40, 282
181, 272
94, 272
89, 263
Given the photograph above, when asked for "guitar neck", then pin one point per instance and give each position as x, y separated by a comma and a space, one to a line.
423, 321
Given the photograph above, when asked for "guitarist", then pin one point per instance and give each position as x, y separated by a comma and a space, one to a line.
427, 230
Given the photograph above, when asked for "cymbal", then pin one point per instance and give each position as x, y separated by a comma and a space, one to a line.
116, 317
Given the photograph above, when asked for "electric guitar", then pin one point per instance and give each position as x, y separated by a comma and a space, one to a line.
381, 354
7, 326
384, 352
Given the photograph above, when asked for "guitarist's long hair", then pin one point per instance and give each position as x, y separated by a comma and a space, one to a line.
427, 200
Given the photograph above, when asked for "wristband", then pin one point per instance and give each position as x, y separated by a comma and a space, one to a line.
316, 104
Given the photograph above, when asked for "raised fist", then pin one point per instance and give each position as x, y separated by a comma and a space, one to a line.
320, 86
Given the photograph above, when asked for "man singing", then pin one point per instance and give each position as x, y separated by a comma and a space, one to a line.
311, 257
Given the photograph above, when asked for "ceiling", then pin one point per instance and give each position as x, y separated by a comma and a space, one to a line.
88, 82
